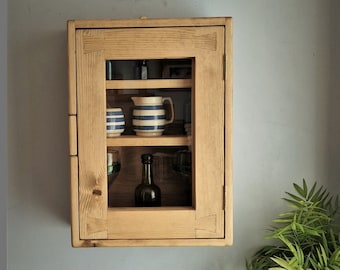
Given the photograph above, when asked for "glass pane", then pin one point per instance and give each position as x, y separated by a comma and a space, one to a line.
141, 112
171, 168
148, 69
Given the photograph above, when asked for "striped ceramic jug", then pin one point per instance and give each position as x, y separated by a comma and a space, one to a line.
148, 116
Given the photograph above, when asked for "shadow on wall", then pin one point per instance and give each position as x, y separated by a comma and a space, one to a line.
334, 108
334, 141
39, 123
334, 171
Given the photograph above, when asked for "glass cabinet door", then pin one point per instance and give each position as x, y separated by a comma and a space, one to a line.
185, 64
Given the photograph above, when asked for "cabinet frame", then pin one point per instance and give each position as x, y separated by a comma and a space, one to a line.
109, 238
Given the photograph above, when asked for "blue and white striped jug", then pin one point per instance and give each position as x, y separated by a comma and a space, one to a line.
148, 116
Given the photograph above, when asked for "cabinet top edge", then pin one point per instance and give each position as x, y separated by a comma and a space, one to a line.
149, 22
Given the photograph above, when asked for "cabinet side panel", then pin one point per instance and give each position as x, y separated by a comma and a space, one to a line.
72, 123
91, 140
74, 199
209, 138
229, 134
72, 85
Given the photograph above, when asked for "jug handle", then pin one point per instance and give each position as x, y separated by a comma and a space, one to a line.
172, 117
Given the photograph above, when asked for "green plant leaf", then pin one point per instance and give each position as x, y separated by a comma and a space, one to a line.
305, 188
301, 190
295, 197
311, 231
307, 235
283, 263
294, 204
311, 192
316, 195
323, 256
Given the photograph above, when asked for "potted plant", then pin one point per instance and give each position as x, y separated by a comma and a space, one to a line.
306, 237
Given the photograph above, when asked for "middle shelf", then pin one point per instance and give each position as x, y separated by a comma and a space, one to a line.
164, 140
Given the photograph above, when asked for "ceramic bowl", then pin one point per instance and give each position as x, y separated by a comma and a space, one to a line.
114, 112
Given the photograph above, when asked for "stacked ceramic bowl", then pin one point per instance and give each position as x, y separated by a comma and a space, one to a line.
115, 123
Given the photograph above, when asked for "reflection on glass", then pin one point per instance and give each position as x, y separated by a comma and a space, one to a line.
182, 162
113, 165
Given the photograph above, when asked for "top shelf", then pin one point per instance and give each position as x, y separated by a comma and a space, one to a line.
148, 84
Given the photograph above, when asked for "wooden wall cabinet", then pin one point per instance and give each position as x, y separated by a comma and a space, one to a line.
189, 59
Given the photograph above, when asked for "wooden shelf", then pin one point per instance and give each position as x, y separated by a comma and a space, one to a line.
148, 84
165, 140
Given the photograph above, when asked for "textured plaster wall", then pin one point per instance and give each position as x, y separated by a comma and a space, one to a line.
286, 102
3, 135
334, 116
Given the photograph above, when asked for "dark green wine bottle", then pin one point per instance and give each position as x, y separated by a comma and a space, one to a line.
147, 194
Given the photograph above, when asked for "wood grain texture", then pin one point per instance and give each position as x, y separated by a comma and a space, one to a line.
155, 223
72, 82
179, 242
209, 139
74, 200
229, 134
209, 220
150, 22
148, 84
91, 142
72, 123
132, 140
151, 43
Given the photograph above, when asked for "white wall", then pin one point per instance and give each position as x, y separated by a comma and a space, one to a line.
3, 135
334, 122
284, 98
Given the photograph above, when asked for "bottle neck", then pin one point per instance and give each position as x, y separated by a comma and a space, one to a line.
147, 174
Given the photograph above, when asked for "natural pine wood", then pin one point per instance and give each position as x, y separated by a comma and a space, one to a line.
148, 84
208, 42
209, 138
74, 200
151, 22
92, 146
178, 242
183, 42
151, 223
73, 135
133, 140
72, 87
228, 134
